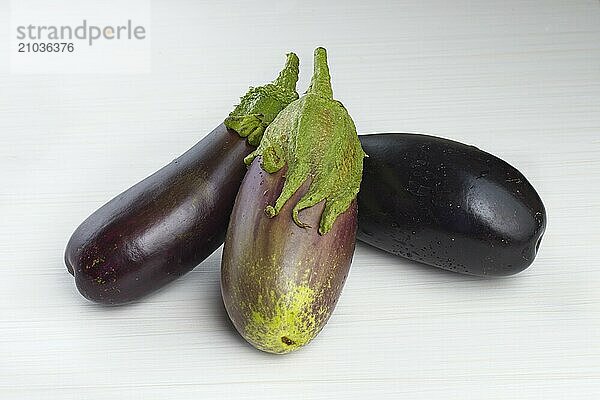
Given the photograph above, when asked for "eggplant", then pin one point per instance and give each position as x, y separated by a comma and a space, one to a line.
168, 223
291, 234
280, 281
449, 205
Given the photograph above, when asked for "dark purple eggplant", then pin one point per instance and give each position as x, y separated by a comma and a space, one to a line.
447, 204
292, 231
165, 225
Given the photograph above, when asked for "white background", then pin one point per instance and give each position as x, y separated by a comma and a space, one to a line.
520, 79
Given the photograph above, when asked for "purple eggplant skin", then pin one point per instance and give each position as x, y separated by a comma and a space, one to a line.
282, 258
449, 205
162, 227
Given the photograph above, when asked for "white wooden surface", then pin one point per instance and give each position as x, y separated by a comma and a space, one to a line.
520, 79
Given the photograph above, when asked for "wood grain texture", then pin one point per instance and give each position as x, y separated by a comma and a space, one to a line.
520, 79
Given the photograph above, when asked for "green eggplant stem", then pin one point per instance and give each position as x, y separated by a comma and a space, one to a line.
260, 105
321, 80
316, 139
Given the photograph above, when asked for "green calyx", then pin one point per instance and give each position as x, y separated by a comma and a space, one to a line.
260, 105
316, 138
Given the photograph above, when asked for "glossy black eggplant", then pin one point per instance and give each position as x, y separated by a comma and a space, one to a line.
448, 205
168, 223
